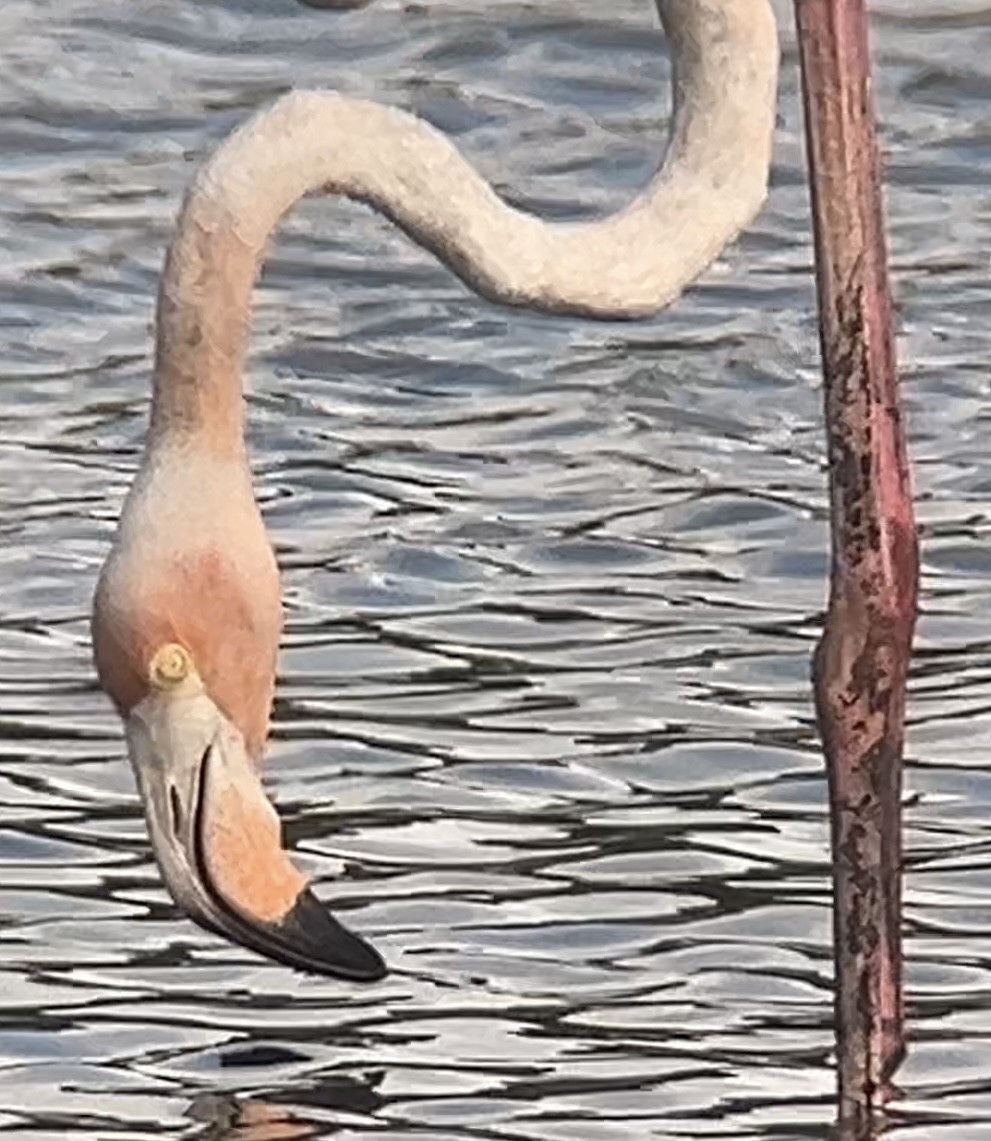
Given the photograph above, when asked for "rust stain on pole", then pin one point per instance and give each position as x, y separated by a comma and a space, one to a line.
861, 661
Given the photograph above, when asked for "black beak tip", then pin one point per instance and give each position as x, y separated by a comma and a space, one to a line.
324, 945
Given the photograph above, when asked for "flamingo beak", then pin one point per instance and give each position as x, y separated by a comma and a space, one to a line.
216, 837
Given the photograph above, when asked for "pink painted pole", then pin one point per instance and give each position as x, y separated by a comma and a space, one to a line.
862, 659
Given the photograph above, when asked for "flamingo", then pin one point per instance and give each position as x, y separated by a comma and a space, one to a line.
187, 611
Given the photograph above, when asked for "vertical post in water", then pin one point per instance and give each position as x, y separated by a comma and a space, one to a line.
861, 661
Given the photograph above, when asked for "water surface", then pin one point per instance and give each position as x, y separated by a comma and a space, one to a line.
543, 727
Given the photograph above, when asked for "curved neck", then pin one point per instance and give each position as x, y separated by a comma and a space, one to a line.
710, 185
202, 325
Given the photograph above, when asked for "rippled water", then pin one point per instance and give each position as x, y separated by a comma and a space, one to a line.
543, 726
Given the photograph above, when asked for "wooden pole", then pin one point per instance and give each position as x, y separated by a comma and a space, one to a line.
861, 662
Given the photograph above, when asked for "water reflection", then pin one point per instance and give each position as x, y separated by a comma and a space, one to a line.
231, 1120
551, 592
326, 1107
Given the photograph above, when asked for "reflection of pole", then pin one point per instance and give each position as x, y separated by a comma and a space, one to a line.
862, 659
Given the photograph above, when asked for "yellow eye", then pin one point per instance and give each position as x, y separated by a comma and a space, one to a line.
171, 664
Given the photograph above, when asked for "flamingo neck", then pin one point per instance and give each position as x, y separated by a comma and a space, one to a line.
203, 318
630, 264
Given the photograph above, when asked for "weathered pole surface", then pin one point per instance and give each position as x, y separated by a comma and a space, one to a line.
861, 662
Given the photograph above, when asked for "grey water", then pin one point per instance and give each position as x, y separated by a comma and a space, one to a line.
543, 728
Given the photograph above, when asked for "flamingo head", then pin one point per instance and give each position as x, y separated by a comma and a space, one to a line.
185, 635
